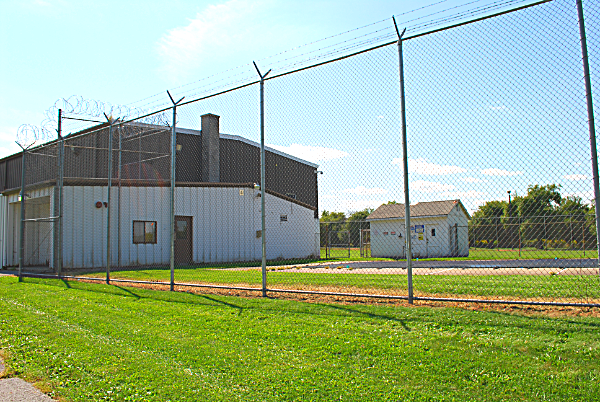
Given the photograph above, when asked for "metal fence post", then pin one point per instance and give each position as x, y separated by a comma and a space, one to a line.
405, 165
22, 234
497, 237
172, 198
545, 235
591, 123
583, 237
110, 150
119, 202
262, 179
519, 233
61, 174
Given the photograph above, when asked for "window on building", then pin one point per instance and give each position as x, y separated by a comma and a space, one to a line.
432, 232
181, 230
283, 218
144, 232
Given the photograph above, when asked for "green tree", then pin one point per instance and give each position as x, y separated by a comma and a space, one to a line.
331, 222
542, 218
540, 201
483, 228
537, 215
491, 211
573, 216
356, 222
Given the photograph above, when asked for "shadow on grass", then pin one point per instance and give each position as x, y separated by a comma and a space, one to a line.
540, 316
124, 289
240, 309
451, 318
368, 314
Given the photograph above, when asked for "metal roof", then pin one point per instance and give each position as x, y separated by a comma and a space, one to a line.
421, 209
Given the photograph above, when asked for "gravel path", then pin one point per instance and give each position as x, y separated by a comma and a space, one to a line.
16, 390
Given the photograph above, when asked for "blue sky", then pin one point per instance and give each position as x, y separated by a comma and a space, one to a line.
470, 95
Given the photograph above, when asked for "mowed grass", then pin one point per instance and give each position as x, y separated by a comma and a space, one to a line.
580, 288
475, 254
96, 342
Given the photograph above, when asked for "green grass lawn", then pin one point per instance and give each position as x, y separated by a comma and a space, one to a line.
95, 342
477, 254
547, 287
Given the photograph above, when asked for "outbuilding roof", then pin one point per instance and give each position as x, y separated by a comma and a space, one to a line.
421, 209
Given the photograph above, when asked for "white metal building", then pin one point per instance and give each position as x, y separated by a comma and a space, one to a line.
217, 208
438, 229
215, 222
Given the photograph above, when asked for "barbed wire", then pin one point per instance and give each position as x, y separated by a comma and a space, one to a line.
29, 134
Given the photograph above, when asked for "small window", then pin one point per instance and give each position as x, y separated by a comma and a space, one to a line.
291, 195
144, 232
283, 218
432, 232
181, 230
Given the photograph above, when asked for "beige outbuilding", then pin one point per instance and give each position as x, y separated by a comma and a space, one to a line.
438, 229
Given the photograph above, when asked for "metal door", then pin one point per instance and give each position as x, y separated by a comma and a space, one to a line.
419, 244
183, 240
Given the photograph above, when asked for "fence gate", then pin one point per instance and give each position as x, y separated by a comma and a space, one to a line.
39, 238
339, 242
365, 242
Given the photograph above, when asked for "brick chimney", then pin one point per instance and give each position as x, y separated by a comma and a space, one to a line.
210, 148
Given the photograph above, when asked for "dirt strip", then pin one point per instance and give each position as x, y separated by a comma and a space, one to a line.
533, 310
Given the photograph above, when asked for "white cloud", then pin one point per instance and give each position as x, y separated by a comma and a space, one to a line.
352, 205
497, 107
472, 180
310, 153
584, 195
8, 136
221, 31
478, 202
499, 172
430, 186
575, 177
423, 166
463, 194
361, 190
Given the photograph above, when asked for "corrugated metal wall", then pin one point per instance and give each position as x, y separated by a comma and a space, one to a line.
3, 229
224, 225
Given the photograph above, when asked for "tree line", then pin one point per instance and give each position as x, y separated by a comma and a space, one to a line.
542, 218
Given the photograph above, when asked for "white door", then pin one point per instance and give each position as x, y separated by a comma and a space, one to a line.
418, 241
433, 241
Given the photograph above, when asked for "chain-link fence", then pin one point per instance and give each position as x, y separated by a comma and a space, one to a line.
297, 182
